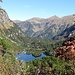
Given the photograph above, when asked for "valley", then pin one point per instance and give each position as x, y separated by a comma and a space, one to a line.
37, 36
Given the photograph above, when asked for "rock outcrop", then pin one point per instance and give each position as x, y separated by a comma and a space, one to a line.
8, 29
5, 22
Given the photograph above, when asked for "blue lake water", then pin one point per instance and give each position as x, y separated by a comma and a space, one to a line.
28, 57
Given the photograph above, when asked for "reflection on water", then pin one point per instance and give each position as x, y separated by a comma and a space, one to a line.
27, 57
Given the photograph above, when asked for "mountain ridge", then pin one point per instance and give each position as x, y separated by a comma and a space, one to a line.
46, 27
54, 16
9, 30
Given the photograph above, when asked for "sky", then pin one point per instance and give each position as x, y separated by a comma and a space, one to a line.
26, 9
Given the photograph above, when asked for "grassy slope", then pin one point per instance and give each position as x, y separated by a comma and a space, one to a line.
49, 65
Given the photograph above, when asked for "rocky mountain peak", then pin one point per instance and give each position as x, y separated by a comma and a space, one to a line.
53, 17
35, 20
16, 21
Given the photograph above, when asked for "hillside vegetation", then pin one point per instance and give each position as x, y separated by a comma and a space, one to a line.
13, 41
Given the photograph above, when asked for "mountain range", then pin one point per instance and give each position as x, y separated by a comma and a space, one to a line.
53, 27
46, 27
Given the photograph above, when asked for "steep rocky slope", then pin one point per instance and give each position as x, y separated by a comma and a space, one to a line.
5, 22
9, 30
49, 27
66, 33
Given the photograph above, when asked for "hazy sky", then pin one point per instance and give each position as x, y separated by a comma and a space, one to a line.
26, 9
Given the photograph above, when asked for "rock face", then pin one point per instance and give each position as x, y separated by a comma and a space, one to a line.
46, 28
5, 22
66, 33
67, 51
8, 29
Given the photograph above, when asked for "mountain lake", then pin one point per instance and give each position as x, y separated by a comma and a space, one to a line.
28, 57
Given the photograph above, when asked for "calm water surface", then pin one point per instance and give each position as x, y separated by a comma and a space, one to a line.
28, 57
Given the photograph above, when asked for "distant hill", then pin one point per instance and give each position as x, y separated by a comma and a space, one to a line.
16, 21
46, 28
